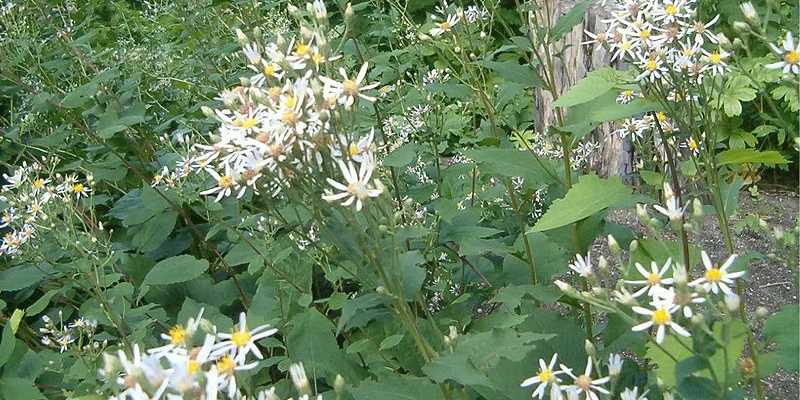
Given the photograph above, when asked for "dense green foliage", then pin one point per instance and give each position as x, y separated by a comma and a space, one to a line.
362, 184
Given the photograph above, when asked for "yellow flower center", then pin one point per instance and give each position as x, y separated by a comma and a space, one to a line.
290, 101
792, 57
35, 207
176, 335
353, 149
38, 183
246, 124
445, 26
714, 275
651, 66
193, 366
289, 117
628, 93
716, 58
78, 188
699, 27
625, 46
583, 382
661, 116
269, 70
545, 375
317, 58
301, 49
644, 34
661, 317
350, 87
688, 52
240, 338
692, 144
653, 279
225, 182
670, 9
225, 365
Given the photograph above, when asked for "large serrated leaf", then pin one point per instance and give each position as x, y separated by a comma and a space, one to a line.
590, 195
175, 270
742, 156
586, 89
397, 387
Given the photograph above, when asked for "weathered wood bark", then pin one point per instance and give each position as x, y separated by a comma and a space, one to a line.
615, 156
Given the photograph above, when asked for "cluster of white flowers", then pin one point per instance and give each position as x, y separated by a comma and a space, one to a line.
179, 368
662, 36
666, 295
582, 385
61, 336
451, 16
279, 126
27, 198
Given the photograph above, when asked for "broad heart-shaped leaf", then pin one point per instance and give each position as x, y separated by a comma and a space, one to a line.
20, 277
512, 162
174, 270
456, 367
737, 89
590, 87
402, 156
742, 156
513, 71
590, 195
397, 387
783, 328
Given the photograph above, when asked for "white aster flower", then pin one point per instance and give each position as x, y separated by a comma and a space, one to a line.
583, 266
584, 384
716, 278
633, 394
349, 89
790, 55
445, 26
546, 376
241, 341
356, 188
614, 364
654, 278
661, 317
673, 211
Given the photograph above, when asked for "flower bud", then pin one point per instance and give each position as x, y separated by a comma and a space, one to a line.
320, 12
747, 367
244, 81
634, 245
602, 263
723, 40
293, 10
641, 212
732, 301
613, 245
241, 38
679, 274
565, 287
208, 112
741, 28
338, 384
762, 312
590, 349
750, 13
697, 208
698, 319
349, 14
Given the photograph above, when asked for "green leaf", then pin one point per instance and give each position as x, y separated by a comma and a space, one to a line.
454, 90
590, 195
737, 89
513, 71
155, 231
512, 295
652, 178
19, 389
590, 87
391, 341
404, 155
664, 357
20, 277
310, 339
742, 156
41, 303
175, 270
456, 367
783, 328
511, 162
111, 122
397, 387
80, 95
413, 276
568, 21
7, 340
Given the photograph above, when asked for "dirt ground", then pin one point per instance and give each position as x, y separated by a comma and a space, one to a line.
769, 283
